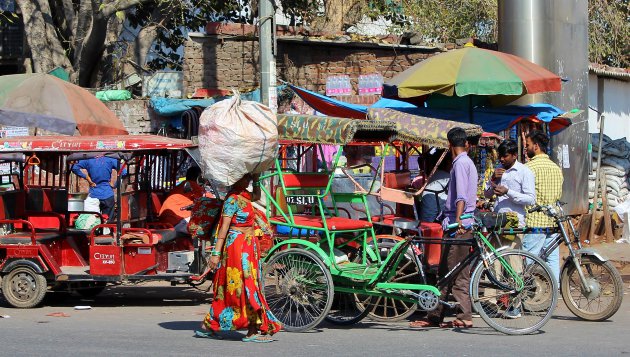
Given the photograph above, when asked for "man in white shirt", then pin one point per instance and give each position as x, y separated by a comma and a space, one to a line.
513, 183
514, 186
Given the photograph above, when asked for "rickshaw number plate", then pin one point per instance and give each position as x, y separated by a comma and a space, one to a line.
300, 200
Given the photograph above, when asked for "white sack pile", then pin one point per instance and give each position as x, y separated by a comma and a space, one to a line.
616, 165
235, 138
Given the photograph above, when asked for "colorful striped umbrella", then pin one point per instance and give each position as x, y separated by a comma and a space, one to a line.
475, 71
47, 102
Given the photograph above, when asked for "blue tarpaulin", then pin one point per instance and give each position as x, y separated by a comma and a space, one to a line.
169, 107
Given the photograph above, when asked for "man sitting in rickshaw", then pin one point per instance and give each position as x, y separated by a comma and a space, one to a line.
435, 193
182, 196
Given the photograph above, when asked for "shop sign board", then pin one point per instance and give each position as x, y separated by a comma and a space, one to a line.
163, 84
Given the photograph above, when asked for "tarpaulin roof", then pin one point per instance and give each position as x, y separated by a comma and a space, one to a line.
491, 119
421, 130
331, 130
336, 108
173, 106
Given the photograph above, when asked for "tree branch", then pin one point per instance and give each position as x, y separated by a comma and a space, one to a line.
119, 5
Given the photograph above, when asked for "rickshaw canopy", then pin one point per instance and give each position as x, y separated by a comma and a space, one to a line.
315, 129
420, 130
108, 143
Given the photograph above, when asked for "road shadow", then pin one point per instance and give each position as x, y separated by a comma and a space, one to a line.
129, 295
181, 325
230, 336
575, 318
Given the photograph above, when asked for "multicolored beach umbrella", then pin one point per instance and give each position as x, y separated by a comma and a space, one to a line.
47, 102
474, 71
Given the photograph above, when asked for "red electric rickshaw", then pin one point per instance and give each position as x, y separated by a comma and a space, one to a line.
42, 248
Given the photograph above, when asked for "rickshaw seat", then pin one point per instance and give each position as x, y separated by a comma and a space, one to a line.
45, 199
25, 237
332, 223
12, 207
398, 179
301, 180
104, 240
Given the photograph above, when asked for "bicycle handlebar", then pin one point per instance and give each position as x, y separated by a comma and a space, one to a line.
548, 210
462, 217
536, 208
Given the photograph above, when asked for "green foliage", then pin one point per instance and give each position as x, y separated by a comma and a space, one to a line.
609, 32
440, 20
449, 20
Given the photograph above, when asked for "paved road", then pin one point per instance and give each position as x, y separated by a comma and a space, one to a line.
159, 320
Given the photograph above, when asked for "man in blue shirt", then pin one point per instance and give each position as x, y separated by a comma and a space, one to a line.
99, 176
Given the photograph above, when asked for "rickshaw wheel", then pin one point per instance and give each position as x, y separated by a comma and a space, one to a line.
385, 309
298, 288
23, 288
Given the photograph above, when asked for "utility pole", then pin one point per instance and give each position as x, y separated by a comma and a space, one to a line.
268, 91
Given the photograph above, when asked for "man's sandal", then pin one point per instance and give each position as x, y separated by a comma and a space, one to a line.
457, 323
423, 324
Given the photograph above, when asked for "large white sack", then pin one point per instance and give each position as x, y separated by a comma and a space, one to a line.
237, 137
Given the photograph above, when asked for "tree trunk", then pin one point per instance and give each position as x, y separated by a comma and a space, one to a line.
336, 14
42, 39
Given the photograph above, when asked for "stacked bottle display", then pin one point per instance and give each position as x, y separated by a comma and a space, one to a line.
338, 86
370, 84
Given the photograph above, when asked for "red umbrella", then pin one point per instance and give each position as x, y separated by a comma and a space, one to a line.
45, 97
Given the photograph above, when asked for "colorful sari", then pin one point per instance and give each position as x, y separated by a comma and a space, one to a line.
238, 300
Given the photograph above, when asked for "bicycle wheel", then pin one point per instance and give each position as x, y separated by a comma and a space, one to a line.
606, 293
512, 311
386, 309
345, 310
298, 288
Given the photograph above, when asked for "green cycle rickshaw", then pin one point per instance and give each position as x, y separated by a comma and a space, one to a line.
328, 264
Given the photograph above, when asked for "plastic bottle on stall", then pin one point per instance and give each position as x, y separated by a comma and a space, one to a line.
379, 84
348, 88
328, 86
361, 84
372, 86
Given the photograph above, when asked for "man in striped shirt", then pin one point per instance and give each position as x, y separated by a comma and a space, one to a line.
548, 178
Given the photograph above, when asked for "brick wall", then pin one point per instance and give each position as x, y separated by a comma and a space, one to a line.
216, 62
136, 116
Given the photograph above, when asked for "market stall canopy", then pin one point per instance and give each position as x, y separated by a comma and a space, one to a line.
330, 130
496, 119
474, 71
491, 119
38, 97
102, 143
421, 130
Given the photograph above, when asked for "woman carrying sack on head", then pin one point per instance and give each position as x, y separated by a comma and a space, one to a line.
238, 301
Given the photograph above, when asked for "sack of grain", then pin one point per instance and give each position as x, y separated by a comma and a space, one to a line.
237, 137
